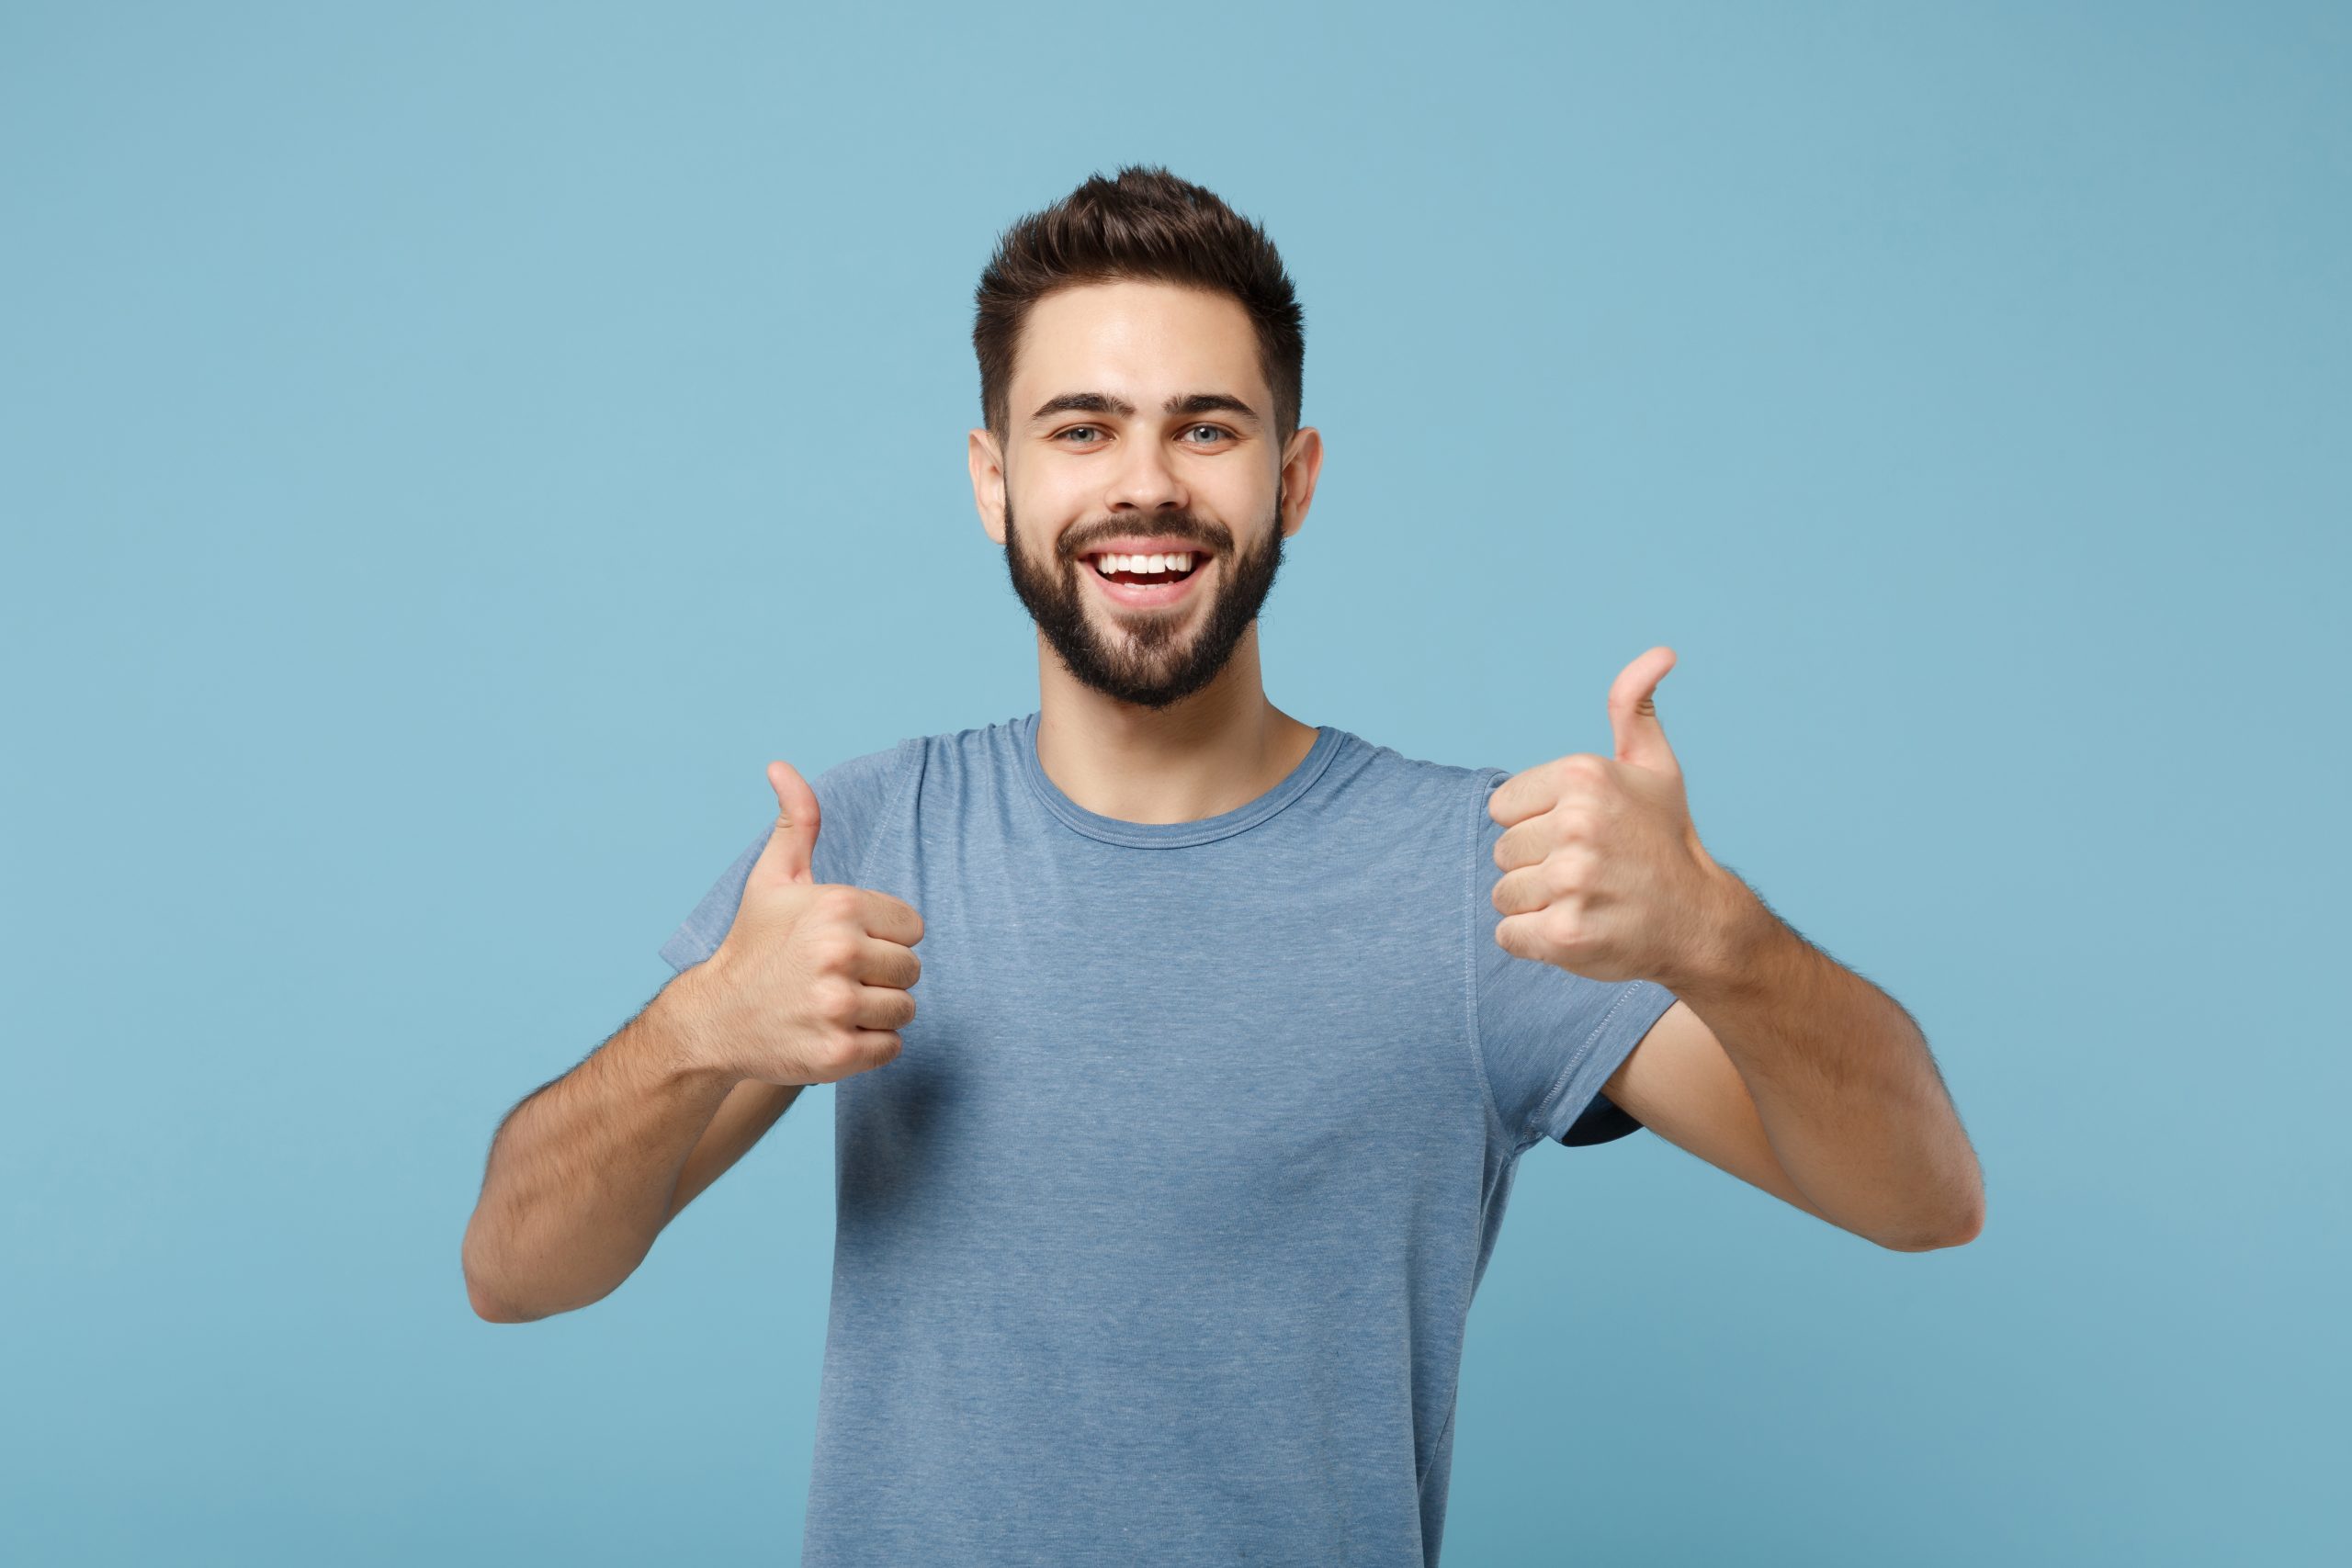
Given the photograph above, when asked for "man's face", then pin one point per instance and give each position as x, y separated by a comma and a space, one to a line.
1162, 440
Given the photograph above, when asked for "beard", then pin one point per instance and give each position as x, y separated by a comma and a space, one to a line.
1154, 657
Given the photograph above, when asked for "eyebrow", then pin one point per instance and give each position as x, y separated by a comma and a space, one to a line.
1178, 404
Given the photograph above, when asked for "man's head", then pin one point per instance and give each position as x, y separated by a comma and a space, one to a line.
1140, 353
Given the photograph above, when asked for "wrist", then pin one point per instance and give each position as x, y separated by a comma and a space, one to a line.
1738, 936
688, 1047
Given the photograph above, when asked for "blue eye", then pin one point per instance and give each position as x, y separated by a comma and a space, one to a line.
1096, 430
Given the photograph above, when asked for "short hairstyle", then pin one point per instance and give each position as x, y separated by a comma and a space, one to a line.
1142, 225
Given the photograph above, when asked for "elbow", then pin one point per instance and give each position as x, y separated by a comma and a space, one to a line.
487, 1304
489, 1308
1958, 1232
493, 1307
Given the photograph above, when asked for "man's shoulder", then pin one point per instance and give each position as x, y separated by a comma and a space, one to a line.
1386, 767
978, 747
852, 792
972, 741
867, 768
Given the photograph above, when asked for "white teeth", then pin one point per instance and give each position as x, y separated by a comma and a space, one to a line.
1179, 562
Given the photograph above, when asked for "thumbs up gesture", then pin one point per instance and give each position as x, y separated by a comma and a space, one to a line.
1603, 873
811, 983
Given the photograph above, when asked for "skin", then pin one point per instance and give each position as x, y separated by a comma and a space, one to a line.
1775, 1063
1153, 715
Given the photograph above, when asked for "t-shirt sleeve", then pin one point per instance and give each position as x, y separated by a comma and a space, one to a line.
1548, 1038
852, 798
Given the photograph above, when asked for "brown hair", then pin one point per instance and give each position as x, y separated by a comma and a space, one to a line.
1146, 225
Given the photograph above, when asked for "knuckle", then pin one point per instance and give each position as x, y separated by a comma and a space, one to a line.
833, 999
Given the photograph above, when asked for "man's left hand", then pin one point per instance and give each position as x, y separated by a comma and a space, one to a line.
1603, 872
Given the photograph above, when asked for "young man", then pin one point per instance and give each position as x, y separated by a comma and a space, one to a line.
1159, 1218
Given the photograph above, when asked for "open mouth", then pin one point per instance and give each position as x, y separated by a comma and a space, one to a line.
1174, 566
1145, 580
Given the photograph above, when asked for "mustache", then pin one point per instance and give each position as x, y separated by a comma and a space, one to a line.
1219, 540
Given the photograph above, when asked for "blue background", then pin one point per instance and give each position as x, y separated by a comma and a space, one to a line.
447, 450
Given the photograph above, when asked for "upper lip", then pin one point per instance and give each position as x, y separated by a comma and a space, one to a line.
1138, 544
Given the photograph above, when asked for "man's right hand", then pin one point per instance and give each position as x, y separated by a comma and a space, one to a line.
811, 983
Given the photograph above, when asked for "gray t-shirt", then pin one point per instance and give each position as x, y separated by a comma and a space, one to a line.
1157, 1241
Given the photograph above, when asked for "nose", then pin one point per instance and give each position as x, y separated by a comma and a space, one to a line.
1145, 482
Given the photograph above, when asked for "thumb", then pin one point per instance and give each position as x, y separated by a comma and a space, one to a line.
1633, 713
794, 842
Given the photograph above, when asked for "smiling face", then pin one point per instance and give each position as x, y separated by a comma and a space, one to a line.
1139, 423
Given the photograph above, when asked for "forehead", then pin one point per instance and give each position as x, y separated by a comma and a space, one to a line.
1140, 337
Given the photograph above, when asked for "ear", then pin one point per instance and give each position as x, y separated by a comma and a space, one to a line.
988, 480
1302, 463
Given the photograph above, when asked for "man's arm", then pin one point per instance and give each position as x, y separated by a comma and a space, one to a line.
750, 1108
1841, 1081
583, 1174
1604, 875
1680, 1084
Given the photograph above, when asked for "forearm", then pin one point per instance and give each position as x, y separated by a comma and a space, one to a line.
581, 1173
1843, 1082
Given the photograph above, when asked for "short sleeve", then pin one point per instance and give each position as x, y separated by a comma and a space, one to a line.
853, 798
1548, 1039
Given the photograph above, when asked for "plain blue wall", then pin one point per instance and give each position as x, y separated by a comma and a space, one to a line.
447, 451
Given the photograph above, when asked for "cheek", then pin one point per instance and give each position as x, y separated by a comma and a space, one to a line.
1258, 507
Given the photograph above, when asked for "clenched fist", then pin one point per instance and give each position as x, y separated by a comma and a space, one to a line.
811, 983
1603, 873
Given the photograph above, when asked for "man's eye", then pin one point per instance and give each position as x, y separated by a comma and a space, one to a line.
1095, 430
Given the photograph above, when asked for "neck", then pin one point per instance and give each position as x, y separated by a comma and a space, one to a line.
1201, 756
